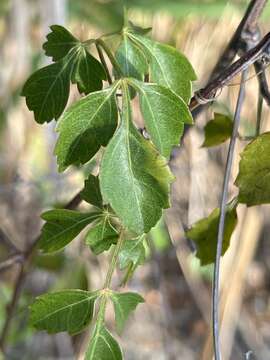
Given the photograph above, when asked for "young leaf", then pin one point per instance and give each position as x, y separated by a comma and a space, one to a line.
67, 310
88, 73
103, 346
59, 42
168, 67
217, 130
131, 59
254, 172
132, 253
204, 233
101, 236
134, 178
124, 304
85, 127
164, 114
47, 90
62, 226
91, 192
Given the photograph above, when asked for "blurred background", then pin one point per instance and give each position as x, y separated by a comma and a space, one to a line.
174, 323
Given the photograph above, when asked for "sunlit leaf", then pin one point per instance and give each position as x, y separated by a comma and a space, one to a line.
62, 226
217, 130
134, 178
103, 346
204, 233
124, 304
164, 115
253, 178
67, 310
132, 253
168, 67
85, 127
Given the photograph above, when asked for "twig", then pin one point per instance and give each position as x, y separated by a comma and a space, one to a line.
103, 61
223, 216
208, 93
10, 261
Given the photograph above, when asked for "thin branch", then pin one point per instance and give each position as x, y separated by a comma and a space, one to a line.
10, 261
223, 215
208, 93
103, 61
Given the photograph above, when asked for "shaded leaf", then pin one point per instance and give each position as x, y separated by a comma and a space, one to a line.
59, 42
217, 130
164, 115
204, 233
253, 178
67, 310
91, 191
131, 59
138, 30
103, 346
134, 178
88, 73
101, 236
47, 90
62, 226
85, 127
168, 67
124, 304
132, 253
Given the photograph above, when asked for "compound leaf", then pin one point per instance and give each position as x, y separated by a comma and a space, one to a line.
88, 73
85, 127
103, 346
62, 226
253, 178
134, 178
67, 310
204, 233
101, 236
91, 192
217, 130
124, 304
164, 114
59, 42
47, 90
168, 67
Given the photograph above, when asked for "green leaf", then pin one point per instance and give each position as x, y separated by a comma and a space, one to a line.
88, 73
204, 233
124, 304
47, 90
131, 59
217, 130
134, 178
132, 253
91, 192
137, 29
62, 226
67, 310
59, 42
164, 115
253, 178
101, 236
103, 346
168, 67
85, 127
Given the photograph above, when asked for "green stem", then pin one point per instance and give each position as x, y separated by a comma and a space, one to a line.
259, 114
107, 283
110, 56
